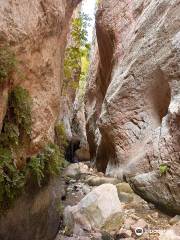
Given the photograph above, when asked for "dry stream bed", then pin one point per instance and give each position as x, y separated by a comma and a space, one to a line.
136, 218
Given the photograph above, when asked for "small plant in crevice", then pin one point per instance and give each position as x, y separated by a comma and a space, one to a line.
163, 169
8, 64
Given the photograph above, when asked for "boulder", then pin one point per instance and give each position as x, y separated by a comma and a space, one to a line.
96, 180
125, 192
124, 187
76, 169
82, 155
93, 210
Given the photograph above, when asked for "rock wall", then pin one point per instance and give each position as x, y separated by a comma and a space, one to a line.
35, 215
36, 31
133, 97
71, 102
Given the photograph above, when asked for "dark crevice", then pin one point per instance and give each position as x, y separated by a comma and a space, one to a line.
74, 145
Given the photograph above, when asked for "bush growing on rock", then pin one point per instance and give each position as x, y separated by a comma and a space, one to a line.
7, 64
14, 137
16, 128
60, 135
46, 164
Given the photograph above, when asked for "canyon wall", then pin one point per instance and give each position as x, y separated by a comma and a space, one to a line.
133, 97
36, 31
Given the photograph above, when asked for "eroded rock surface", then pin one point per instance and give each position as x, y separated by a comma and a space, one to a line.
37, 30
94, 210
133, 125
35, 215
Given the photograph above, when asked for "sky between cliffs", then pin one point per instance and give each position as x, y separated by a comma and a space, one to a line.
88, 7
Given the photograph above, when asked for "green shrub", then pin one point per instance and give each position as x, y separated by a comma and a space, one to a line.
35, 169
7, 64
53, 159
163, 168
61, 136
16, 125
20, 108
17, 122
11, 179
46, 164
16, 129
10, 135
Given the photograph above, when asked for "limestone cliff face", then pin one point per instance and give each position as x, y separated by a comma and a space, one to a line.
133, 110
37, 32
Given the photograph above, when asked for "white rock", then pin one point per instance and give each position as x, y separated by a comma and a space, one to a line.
76, 169
94, 209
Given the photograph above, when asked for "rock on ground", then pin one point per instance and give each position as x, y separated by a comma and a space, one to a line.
93, 210
76, 170
96, 180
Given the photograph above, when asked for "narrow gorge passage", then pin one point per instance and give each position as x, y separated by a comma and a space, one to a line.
89, 120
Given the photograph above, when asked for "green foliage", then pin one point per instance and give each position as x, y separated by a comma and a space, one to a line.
7, 64
17, 125
61, 136
48, 163
16, 129
35, 169
163, 168
75, 53
20, 108
10, 135
17, 122
53, 159
11, 179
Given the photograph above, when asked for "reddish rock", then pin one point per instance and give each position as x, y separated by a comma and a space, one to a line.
132, 104
37, 33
